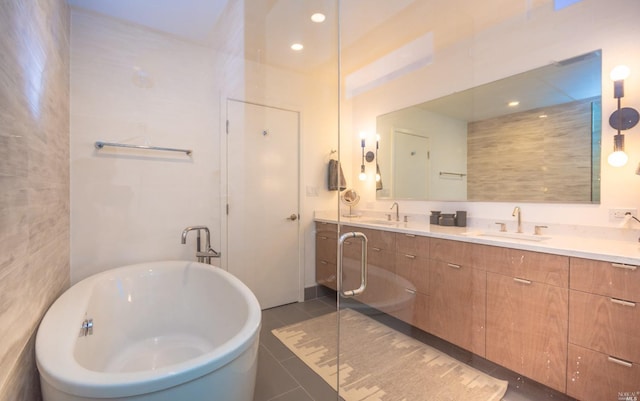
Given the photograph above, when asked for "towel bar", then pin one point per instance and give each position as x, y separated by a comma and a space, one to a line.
100, 145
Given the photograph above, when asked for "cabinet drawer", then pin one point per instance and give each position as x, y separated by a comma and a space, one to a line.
412, 272
326, 274
606, 278
352, 249
412, 245
382, 259
326, 247
535, 266
605, 324
385, 240
447, 251
327, 229
593, 376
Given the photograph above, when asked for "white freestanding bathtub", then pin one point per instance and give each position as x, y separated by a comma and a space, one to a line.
165, 331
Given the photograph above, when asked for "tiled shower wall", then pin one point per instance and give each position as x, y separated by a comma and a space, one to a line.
34, 181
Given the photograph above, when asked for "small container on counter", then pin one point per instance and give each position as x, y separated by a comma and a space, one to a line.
447, 219
434, 218
461, 218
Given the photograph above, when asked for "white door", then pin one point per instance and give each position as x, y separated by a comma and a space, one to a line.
410, 154
263, 200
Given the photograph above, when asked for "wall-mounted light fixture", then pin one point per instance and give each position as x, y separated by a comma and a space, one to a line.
622, 119
378, 176
363, 175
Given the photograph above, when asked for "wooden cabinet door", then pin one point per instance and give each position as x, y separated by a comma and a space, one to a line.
593, 376
326, 254
608, 325
414, 309
527, 328
457, 304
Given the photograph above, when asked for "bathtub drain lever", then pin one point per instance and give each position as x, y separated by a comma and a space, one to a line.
87, 328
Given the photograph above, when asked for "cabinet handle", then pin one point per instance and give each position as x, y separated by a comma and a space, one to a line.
410, 291
521, 281
373, 248
410, 235
323, 237
623, 303
347, 242
453, 266
623, 266
620, 362
410, 256
323, 262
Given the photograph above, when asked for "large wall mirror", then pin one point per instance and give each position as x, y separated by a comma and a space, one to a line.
532, 137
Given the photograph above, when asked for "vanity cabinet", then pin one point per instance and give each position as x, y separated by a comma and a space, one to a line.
527, 312
412, 280
572, 324
604, 330
326, 254
457, 291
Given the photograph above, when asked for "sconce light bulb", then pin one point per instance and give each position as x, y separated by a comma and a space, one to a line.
618, 158
619, 73
377, 177
363, 175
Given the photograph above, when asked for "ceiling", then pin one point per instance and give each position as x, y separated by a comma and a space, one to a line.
188, 19
561, 82
268, 27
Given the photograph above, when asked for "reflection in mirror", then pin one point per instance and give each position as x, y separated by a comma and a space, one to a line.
532, 137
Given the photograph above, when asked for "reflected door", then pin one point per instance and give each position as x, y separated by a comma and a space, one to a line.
410, 166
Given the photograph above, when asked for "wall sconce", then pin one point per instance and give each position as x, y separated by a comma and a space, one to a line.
363, 175
622, 119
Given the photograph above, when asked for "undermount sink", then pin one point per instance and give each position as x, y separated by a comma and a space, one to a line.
501, 234
381, 222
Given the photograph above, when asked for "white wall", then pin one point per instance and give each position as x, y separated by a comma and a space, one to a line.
131, 207
527, 42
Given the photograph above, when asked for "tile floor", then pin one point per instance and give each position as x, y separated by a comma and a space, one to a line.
284, 377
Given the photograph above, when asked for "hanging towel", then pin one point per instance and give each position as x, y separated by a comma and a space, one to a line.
336, 177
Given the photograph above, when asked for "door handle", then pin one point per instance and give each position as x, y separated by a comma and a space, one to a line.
363, 267
293, 217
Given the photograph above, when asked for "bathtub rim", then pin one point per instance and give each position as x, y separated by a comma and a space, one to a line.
55, 342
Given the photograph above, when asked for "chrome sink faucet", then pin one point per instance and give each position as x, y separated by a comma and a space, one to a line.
395, 204
518, 212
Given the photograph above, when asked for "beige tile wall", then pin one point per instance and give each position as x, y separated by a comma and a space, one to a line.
521, 156
34, 180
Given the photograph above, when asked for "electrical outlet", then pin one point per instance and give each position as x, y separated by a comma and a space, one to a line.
615, 214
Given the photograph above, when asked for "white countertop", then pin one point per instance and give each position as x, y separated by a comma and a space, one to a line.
605, 249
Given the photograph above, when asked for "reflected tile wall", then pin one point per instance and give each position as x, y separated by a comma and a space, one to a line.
34, 181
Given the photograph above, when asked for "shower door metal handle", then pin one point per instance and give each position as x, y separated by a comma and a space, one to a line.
363, 268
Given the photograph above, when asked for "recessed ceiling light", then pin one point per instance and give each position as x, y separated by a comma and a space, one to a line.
297, 47
543, 116
318, 17
513, 103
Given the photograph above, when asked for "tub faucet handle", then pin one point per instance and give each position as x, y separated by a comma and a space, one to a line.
537, 230
503, 227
